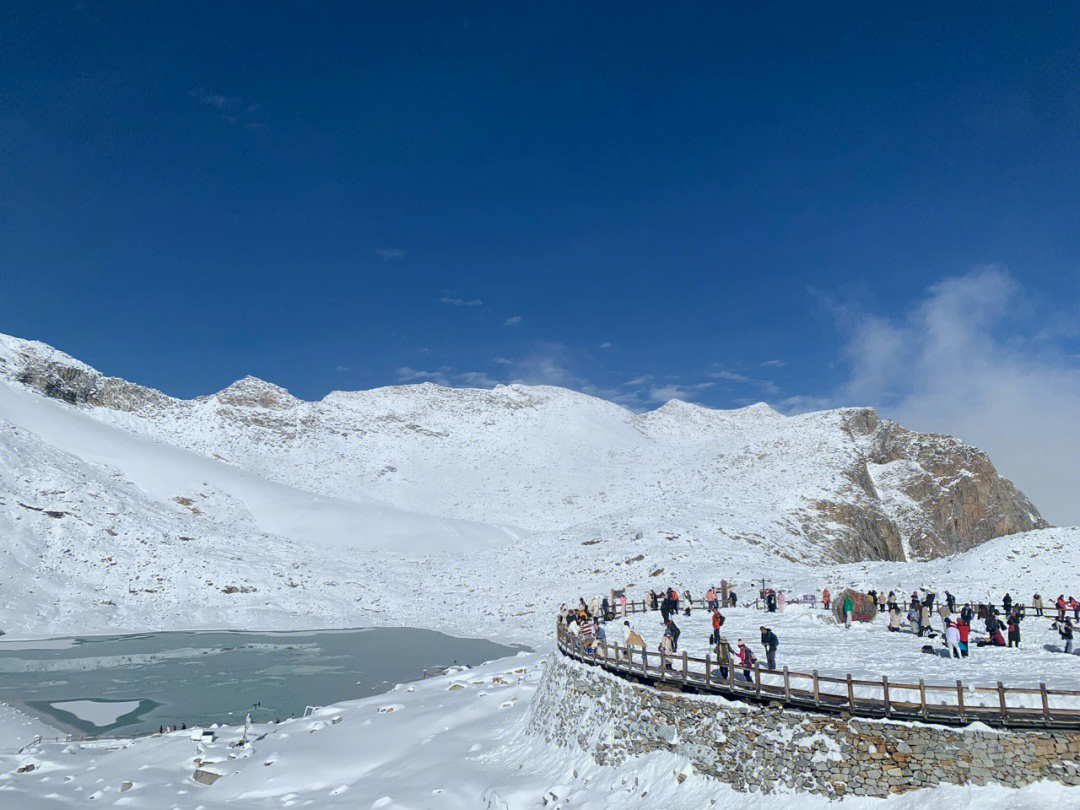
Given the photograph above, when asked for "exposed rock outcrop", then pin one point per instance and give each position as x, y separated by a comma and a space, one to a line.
953, 500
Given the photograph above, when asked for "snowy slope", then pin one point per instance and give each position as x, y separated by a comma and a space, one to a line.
253, 509
548, 459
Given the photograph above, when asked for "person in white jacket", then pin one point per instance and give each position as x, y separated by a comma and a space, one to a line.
952, 639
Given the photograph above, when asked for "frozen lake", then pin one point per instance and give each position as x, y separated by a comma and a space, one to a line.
136, 683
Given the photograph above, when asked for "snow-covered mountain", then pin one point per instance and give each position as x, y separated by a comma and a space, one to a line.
120, 505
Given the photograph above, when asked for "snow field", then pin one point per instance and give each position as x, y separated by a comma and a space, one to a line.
454, 742
810, 640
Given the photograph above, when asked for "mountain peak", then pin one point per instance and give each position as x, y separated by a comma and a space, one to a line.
252, 392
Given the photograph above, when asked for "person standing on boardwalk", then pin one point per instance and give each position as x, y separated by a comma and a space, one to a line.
723, 656
746, 659
671, 630
770, 642
1037, 604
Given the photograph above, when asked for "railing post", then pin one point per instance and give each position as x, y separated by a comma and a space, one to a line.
787, 686
960, 699
850, 693
922, 697
1045, 703
685, 667
731, 672
757, 678
1004, 707
817, 694
708, 670
885, 693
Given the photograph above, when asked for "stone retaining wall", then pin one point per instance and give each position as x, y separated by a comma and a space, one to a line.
760, 748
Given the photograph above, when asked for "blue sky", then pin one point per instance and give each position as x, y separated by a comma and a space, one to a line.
722, 202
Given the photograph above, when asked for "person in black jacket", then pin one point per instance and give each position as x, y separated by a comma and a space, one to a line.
1007, 604
1065, 630
672, 630
770, 642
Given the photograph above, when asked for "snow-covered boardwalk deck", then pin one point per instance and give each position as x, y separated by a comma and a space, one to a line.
949, 704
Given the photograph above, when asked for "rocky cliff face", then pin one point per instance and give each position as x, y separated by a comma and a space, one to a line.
944, 496
836, 486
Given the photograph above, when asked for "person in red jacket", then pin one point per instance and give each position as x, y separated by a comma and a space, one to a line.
1060, 605
1074, 606
717, 622
825, 598
963, 628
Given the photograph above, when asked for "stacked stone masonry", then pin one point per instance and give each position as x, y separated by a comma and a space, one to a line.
765, 748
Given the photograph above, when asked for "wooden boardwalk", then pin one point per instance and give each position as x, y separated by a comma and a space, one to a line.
956, 704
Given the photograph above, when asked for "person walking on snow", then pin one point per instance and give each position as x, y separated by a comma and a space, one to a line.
963, 629
825, 599
672, 631
1065, 630
952, 639
770, 642
1014, 628
717, 623
1037, 604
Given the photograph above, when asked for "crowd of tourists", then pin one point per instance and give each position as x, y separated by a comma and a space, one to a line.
959, 627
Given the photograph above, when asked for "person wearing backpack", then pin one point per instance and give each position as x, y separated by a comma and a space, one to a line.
717, 623
723, 657
770, 642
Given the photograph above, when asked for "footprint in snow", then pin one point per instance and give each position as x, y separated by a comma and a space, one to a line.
339, 790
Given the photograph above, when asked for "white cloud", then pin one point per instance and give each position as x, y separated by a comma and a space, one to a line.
233, 109
216, 100
460, 302
767, 386
773, 363
724, 374
514, 321
605, 345
969, 360
390, 253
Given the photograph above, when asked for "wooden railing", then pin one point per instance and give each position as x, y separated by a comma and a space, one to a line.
642, 606
1000, 706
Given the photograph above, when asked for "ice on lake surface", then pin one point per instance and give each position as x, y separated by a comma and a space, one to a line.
136, 683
